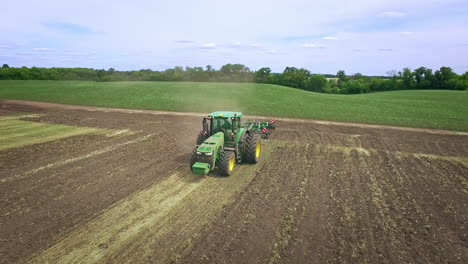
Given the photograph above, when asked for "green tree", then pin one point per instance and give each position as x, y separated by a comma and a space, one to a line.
408, 81
317, 83
355, 86
341, 75
423, 78
464, 76
262, 75
442, 78
358, 76
5, 66
294, 77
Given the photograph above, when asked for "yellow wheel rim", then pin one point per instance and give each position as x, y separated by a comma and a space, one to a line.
232, 161
257, 150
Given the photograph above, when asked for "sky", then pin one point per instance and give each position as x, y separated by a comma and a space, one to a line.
367, 36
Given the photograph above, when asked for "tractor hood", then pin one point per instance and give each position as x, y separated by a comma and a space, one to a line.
212, 143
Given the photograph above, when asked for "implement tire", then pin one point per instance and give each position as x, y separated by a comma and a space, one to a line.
201, 138
253, 147
227, 163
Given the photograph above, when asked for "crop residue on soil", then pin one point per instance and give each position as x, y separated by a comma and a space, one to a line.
322, 193
16, 133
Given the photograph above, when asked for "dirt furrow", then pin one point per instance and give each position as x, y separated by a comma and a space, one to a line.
142, 227
246, 231
326, 194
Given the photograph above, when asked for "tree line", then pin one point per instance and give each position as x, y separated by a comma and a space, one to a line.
339, 83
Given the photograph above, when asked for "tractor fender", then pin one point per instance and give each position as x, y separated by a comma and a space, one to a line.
241, 136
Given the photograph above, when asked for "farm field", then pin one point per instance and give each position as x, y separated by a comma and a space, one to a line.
435, 109
121, 191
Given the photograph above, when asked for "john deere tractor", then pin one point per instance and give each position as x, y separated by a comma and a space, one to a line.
225, 141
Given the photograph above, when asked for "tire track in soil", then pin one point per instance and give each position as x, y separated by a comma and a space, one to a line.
18, 160
78, 158
308, 239
289, 226
39, 210
355, 209
331, 212
424, 231
43, 175
151, 224
257, 226
378, 206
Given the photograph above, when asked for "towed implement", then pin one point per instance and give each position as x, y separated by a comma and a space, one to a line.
225, 141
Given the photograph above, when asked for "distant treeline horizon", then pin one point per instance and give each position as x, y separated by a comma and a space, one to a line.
339, 83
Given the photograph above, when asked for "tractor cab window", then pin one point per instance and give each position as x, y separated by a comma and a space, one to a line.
221, 124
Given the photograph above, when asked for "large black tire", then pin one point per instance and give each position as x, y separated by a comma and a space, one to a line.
193, 158
226, 158
201, 138
250, 151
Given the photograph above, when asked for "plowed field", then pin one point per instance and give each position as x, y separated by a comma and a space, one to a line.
120, 191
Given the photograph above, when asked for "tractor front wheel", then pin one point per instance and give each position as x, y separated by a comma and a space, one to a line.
201, 138
253, 148
193, 158
227, 162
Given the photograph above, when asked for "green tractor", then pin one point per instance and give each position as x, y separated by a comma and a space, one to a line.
225, 141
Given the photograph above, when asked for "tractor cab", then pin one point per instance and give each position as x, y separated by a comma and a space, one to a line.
223, 121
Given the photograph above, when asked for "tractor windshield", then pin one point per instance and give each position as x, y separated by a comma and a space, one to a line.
220, 124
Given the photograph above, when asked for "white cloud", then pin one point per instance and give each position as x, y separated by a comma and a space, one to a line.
249, 45
272, 51
313, 46
209, 45
74, 53
43, 49
191, 35
183, 41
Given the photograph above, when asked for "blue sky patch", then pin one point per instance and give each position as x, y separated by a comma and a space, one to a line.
68, 28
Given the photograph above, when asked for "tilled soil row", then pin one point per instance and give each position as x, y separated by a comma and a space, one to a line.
325, 193
43, 196
359, 206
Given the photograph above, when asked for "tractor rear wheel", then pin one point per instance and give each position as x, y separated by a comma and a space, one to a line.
193, 158
201, 138
227, 162
253, 147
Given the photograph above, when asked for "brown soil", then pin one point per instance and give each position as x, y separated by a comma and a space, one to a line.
323, 193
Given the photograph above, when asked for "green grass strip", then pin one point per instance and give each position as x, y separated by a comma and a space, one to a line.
437, 109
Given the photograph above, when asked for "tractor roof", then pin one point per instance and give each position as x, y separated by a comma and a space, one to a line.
226, 114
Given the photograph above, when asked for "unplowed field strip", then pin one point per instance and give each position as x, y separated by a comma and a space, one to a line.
16, 133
